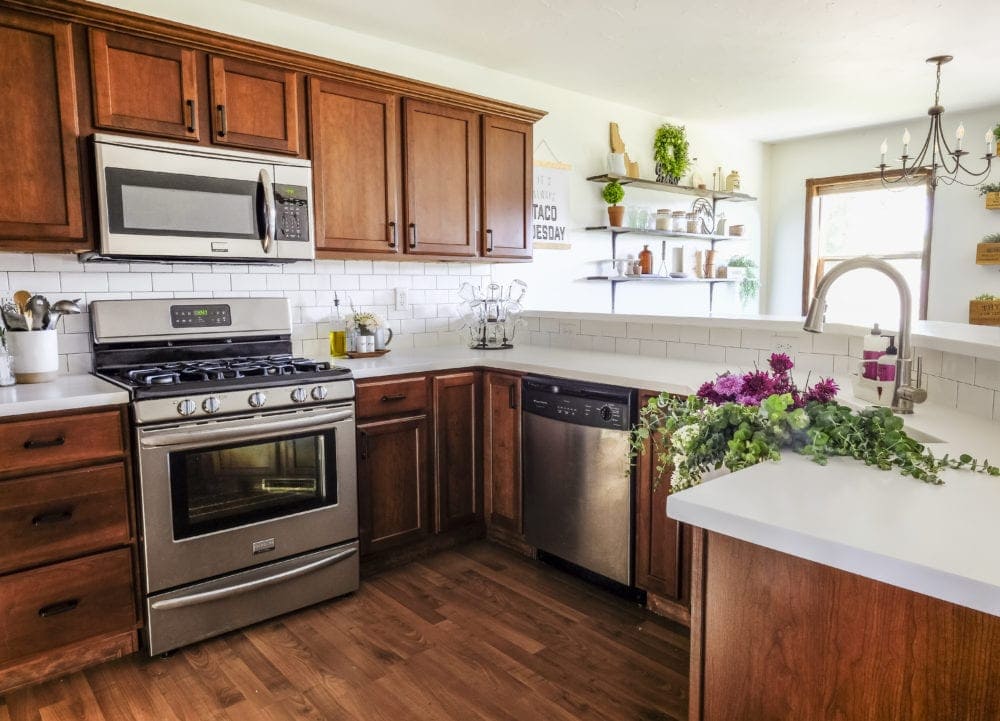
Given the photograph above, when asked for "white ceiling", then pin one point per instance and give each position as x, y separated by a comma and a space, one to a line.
775, 68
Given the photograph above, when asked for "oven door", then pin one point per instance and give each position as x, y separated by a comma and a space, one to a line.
219, 496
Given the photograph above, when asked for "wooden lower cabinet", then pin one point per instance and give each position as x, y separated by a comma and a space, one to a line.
457, 472
392, 483
662, 545
502, 451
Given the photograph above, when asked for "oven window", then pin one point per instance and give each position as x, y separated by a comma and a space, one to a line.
233, 485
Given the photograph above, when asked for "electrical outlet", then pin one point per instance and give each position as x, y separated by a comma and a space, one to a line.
402, 299
785, 344
567, 328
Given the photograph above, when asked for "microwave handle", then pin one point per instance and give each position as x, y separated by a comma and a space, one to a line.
270, 212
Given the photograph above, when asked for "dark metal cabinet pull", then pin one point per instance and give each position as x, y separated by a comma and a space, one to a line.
394, 397
193, 115
222, 120
413, 235
489, 240
49, 517
512, 397
392, 226
364, 446
54, 609
51, 443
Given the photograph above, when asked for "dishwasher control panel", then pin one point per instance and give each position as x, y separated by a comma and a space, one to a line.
584, 405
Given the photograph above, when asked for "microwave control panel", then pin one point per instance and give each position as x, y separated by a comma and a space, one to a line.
292, 204
200, 316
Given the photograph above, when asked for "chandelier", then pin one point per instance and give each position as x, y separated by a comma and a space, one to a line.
936, 161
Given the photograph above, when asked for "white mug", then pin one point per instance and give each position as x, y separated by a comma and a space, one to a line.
383, 337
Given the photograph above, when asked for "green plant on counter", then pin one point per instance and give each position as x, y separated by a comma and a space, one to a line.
987, 297
991, 238
735, 422
989, 188
670, 150
613, 193
750, 285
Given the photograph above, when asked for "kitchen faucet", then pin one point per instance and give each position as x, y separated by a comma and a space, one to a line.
904, 394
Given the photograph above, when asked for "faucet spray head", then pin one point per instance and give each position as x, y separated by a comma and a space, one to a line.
815, 318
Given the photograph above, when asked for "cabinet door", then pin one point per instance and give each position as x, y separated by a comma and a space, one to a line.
507, 175
355, 145
441, 179
254, 106
392, 483
456, 450
144, 86
660, 547
38, 135
502, 450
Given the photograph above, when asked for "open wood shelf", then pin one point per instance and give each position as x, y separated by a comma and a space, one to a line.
668, 188
620, 230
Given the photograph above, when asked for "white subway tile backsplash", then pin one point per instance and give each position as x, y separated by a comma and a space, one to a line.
831, 344
80, 282
603, 343
628, 346
34, 282
663, 331
975, 400
942, 391
642, 331
725, 337
58, 262
680, 351
758, 339
17, 261
653, 348
137, 281
744, 358
960, 368
603, 327
710, 353
987, 373
173, 281
694, 334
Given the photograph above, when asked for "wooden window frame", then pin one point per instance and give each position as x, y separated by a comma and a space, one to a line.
810, 251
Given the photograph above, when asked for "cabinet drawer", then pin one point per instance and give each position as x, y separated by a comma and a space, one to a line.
47, 518
40, 443
392, 397
68, 602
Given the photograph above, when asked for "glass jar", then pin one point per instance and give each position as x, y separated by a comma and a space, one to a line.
677, 221
663, 219
692, 222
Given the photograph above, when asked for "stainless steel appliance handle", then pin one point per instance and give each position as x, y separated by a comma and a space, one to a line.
240, 588
270, 212
200, 436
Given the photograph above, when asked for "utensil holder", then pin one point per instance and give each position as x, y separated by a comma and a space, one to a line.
36, 355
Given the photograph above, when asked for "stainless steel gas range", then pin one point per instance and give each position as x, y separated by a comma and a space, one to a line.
245, 460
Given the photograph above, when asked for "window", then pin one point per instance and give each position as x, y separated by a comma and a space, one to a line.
854, 215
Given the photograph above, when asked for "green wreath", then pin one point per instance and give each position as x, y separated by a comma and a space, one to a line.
670, 150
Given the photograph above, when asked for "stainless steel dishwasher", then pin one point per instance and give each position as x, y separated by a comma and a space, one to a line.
578, 485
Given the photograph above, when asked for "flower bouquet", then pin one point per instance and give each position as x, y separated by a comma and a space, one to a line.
737, 421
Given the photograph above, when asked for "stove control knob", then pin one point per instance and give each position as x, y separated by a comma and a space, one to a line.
212, 404
299, 395
257, 399
606, 413
186, 407
319, 393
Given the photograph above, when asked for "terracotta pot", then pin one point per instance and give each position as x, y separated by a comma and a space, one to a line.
616, 215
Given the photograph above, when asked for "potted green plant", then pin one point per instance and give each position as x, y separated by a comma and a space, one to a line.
988, 250
613, 194
670, 151
991, 191
749, 280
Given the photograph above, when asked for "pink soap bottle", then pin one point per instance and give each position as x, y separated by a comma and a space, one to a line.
874, 347
887, 363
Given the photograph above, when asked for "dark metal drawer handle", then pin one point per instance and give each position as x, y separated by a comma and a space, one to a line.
394, 397
512, 397
190, 109
392, 225
364, 446
51, 443
222, 120
50, 517
413, 235
54, 609
489, 240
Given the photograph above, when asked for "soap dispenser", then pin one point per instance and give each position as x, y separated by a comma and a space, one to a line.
887, 362
873, 346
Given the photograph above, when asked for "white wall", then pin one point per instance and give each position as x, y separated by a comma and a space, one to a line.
576, 129
960, 219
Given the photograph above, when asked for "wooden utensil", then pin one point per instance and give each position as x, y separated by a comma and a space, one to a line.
21, 299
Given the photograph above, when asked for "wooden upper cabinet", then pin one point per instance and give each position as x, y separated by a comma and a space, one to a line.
356, 167
507, 176
38, 135
441, 179
144, 86
502, 450
254, 106
456, 450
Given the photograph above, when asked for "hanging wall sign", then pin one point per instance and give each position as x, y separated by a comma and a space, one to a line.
550, 205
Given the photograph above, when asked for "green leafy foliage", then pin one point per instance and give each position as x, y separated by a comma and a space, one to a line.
750, 285
987, 297
989, 188
692, 437
613, 193
991, 238
671, 148
996, 132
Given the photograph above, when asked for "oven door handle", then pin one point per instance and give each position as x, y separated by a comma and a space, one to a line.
200, 436
240, 588
270, 212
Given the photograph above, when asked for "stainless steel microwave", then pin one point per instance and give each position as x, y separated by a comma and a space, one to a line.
180, 202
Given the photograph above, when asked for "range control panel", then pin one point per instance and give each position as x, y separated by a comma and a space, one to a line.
571, 404
292, 203
200, 316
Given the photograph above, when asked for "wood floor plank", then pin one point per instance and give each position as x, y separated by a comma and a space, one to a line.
476, 633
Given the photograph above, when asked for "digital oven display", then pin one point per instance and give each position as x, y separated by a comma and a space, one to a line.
200, 316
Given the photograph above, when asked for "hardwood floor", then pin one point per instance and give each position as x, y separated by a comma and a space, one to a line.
475, 634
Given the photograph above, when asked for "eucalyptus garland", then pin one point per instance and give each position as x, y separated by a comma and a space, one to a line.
727, 426
670, 149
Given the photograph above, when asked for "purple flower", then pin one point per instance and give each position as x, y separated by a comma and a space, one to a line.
707, 392
780, 362
728, 385
758, 385
823, 391
748, 400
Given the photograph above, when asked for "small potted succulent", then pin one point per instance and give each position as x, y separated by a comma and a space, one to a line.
984, 309
991, 191
988, 250
670, 151
613, 194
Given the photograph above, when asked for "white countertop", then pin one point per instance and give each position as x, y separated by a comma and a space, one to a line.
63, 394
941, 541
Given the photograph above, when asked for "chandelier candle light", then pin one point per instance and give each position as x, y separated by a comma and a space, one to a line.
937, 166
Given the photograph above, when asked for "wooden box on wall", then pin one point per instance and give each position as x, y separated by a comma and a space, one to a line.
988, 253
993, 201
984, 312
